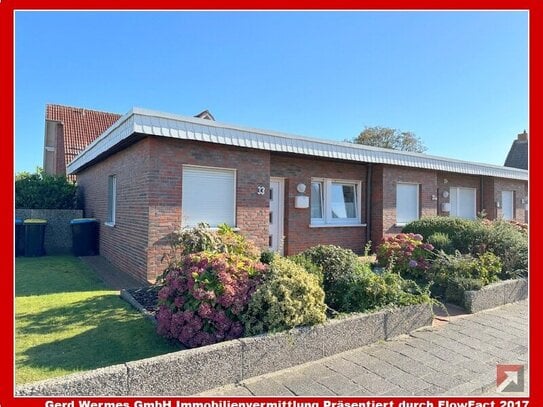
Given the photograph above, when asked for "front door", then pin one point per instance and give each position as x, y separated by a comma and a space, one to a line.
277, 187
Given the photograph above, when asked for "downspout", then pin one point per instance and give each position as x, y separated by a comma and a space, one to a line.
368, 202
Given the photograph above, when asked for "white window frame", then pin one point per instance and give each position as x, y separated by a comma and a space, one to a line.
457, 201
402, 222
111, 200
234, 207
326, 205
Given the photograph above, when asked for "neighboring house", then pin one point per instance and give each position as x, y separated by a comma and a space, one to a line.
518, 154
152, 172
68, 130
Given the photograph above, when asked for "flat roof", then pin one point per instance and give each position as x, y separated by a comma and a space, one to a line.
153, 123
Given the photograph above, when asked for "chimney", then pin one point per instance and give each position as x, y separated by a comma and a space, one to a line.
523, 136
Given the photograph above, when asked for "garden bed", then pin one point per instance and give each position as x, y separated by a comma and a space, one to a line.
192, 371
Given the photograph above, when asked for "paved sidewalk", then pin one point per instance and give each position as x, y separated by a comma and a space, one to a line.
457, 358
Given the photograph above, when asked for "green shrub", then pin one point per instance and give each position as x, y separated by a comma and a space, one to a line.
510, 244
235, 243
288, 297
223, 240
308, 266
441, 242
266, 256
339, 268
466, 236
508, 240
449, 273
370, 291
44, 191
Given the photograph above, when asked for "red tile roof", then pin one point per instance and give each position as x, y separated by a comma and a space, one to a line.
80, 126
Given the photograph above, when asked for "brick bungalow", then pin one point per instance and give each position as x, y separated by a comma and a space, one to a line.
152, 172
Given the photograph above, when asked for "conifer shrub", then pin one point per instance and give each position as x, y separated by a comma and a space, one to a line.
288, 297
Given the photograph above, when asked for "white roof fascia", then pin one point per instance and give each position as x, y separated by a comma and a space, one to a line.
192, 128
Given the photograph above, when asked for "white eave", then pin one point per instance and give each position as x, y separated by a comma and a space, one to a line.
146, 122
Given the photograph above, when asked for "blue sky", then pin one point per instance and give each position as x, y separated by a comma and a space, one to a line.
458, 80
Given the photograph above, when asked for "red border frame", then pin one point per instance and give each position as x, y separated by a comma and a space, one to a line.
7, 8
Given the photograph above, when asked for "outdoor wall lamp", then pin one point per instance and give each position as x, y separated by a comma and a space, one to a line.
301, 201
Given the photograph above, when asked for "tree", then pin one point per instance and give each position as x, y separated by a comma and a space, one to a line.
390, 138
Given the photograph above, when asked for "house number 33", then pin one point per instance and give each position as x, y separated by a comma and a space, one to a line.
261, 190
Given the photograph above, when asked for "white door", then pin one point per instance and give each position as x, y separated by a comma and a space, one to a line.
277, 187
507, 205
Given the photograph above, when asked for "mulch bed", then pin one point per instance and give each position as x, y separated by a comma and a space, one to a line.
146, 296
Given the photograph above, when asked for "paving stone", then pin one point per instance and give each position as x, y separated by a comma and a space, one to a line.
227, 391
409, 382
301, 386
269, 387
458, 359
343, 366
442, 381
338, 384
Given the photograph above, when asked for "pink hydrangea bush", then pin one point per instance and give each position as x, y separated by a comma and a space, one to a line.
405, 252
204, 297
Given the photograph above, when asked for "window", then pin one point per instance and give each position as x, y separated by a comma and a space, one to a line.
209, 195
508, 207
407, 203
111, 199
316, 200
335, 202
463, 203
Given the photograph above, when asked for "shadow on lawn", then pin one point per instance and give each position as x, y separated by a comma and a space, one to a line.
54, 274
112, 336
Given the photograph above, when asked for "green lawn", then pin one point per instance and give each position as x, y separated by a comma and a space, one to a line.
66, 321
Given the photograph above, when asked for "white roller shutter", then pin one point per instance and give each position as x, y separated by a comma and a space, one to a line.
463, 202
407, 203
209, 195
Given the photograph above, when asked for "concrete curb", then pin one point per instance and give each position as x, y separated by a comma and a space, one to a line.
192, 371
496, 294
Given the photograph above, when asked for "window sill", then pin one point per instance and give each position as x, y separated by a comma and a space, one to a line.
339, 225
212, 229
110, 224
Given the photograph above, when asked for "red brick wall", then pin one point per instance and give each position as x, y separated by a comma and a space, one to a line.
165, 181
391, 175
299, 236
489, 201
125, 244
520, 191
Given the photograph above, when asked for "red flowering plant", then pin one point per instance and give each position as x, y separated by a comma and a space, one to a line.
405, 253
204, 297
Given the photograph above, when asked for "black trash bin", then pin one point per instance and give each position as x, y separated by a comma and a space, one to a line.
34, 237
84, 236
19, 237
